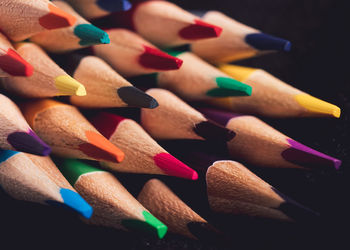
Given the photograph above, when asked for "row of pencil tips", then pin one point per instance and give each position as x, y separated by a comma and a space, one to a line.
102, 54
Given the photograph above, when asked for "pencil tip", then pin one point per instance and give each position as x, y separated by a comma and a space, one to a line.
172, 166
76, 202
263, 41
136, 98
100, 148
69, 86
151, 225
303, 155
57, 18
229, 87
293, 209
316, 105
28, 142
90, 35
156, 59
114, 6
12, 63
214, 132
200, 30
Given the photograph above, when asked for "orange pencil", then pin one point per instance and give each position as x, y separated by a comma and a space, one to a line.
48, 79
68, 132
22, 19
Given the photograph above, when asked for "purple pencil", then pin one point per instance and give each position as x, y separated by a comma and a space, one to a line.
259, 144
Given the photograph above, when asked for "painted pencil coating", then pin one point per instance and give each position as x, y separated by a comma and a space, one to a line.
272, 97
258, 143
113, 205
20, 20
142, 153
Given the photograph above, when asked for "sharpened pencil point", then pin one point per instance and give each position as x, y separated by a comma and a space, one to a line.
28, 142
114, 6
12, 63
316, 105
229, 87
156, 59
136, 98
57, 18
172, 166
76, 202
214, 132
303, 155
151, 225
90, 35
100, 148
200, 30
263, 41
69, 86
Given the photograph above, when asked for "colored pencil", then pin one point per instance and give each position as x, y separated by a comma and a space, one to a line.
15, 133
142, 153
98, 8
48, 79
22, 19
105, 87
163, 23
170, 209
129, 54
174, 119
113, 205
81, 34
195, 80
258, 143
68, 133
10, 62
22, 179
233, 189
272, 97
237, 41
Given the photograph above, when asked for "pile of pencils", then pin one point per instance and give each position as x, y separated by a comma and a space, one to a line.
71, 115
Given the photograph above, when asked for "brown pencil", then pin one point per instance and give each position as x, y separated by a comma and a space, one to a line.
79, 35
48, 79
168, 207
22, 19
233, 189
174, 119
129, 54
70, 135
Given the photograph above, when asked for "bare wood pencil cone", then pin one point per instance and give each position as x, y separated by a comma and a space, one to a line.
48, 79
22, 19
195, 80
237, 41
165, 24
272, 97
179, 217
105, 87
130, 55
174, 119
259, 144
24, 179
15, 133
79, 35
98, 8
233, 189
70, 135
11, 63
142, 153
113, 205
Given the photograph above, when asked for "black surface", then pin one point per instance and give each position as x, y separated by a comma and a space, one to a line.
318, 64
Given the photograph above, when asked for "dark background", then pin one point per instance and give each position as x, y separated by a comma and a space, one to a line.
317, 64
